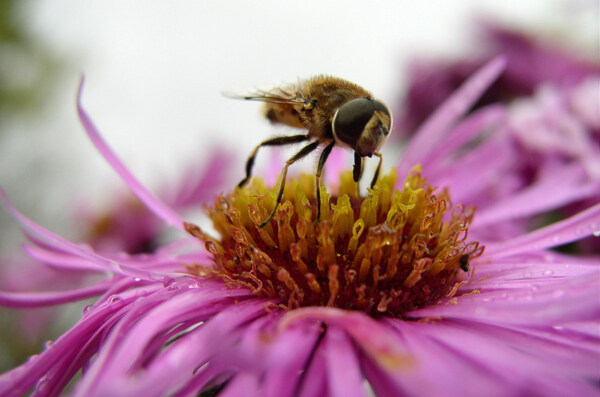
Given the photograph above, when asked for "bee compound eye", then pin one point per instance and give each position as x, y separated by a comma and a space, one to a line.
351, 118
382, 107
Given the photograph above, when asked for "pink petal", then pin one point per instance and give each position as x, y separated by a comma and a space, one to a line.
571, 300
554, 190
151, 201
369, 336
242, 384
315, 377
584, 224
174, 367
41, 299
345, 377
430, 134
63, 245
468, 130
197, 188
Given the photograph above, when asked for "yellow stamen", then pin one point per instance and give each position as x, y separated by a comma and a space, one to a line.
392, 251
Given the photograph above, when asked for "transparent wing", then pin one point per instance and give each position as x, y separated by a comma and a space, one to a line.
289, 94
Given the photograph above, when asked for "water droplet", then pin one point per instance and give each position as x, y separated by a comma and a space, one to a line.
548, 273
32, 358
41, 384
137, 279
47, 344
115, 299
558, 327
86, 309
596, 233
167, 281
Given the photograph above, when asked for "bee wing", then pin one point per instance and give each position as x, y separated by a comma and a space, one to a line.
289, 94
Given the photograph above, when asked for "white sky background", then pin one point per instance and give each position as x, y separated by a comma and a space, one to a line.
155, 72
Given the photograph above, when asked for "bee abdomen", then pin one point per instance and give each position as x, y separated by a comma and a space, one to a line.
283, 113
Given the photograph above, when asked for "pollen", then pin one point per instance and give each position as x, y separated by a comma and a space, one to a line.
392, 251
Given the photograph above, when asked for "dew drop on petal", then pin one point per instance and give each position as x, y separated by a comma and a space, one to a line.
596, 233
548, 273
32, 358
115, 299
41, 384
47, 344
167, 281
137, 279
86, 309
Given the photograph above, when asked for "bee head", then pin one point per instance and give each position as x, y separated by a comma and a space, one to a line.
362, 124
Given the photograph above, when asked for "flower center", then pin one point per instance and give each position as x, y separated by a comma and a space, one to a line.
385, 254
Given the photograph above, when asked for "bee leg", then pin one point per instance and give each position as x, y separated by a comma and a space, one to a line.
376, 176
278, 141
358, 167
357, 171
302, 153
322, 159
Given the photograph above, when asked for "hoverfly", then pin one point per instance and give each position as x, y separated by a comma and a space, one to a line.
335, 112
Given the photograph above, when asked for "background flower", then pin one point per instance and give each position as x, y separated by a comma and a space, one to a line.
532, 61
551, 122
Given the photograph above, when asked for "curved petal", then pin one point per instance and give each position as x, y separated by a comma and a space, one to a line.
584, 224
153, 203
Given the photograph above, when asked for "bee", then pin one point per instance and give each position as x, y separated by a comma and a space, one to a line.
335, 112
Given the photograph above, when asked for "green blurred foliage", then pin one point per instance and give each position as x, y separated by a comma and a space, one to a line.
27, 67
28, 73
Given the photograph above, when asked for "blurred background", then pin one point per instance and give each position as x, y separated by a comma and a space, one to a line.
155, 73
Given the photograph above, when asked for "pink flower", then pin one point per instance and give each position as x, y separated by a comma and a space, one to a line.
515, 319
